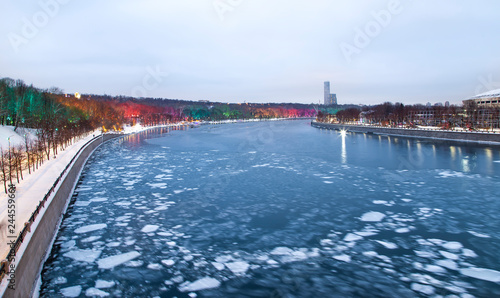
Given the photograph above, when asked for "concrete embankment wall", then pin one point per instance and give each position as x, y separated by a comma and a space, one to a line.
30, 262
417, 133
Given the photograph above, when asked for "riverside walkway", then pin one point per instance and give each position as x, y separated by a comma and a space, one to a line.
492, 137
31, 190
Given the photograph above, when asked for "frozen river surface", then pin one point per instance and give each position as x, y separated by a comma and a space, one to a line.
280, 209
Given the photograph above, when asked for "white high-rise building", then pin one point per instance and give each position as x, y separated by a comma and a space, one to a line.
327, 93
330, 98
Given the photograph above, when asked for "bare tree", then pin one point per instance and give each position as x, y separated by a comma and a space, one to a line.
3, 168
18, 158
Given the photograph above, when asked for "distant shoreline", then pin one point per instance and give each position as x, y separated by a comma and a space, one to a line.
453, 136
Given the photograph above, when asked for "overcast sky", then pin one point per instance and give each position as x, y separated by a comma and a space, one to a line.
254, 50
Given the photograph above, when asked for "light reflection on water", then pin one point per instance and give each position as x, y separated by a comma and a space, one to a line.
343, 154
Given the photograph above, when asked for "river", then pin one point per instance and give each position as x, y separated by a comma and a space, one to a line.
280, 209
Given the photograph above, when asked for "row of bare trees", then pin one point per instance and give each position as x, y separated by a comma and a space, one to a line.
15, 160
29, 156
53, 125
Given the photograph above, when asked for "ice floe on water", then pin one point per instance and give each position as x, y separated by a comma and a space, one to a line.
93, 292
158, 185
447, 174
99, 199
434, 269
113, 261
387, 244
60, 280
450, 264
90, 239
154, 266
83, 255
424, 289
149, 228
480, 235
286, 254
281, 251
168, 263
402, 230
199, 285
352, 237
237, 267
104, 284
382, 202
82, 203
449, 255
218, 266
372, 216
90, 228
71, 291
482, 273
425, 254
343, 258
452, 245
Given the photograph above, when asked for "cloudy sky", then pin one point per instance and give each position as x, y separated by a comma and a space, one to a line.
255, 50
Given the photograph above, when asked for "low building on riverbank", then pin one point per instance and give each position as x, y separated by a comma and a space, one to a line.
483, 110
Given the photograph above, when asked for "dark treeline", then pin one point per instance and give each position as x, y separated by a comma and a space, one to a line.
152, 110
46, 124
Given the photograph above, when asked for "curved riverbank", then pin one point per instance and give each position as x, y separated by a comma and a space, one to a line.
456, 136
24, 269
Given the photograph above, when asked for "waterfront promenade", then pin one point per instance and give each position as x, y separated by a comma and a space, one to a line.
31, 190
430, 133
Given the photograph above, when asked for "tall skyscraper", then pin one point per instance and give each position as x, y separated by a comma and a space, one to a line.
327, 93
330, 98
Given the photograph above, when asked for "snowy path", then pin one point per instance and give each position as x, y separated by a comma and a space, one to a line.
31, 190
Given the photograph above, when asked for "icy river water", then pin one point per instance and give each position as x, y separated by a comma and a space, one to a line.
280, 209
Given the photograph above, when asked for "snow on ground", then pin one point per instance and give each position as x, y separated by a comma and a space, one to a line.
31, 190
16, 137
